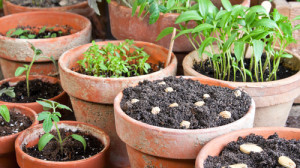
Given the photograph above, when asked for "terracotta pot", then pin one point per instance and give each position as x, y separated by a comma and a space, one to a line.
14, 51
165, 147
273, 99
139, 29
92, 97
31, 136
61, 98
215, 146
7, 143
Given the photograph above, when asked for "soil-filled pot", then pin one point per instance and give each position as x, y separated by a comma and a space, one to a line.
7, 143
62, 97
139, 28
31, 136
92, 97
15, 51
273, 99
215, 146
157, 146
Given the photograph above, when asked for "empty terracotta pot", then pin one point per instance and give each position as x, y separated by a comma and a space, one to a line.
273, 99
154, 146
215, 146
92, 97
31, 136
7, 143
15, 52
61, 98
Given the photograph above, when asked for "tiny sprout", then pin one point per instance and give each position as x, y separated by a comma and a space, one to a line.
155, 110
199, 103
48, 118
134, 101
185, 124
162, 83
169, 89
225, 114
4, 112
8, 91
173, 105
206, 96
237, 93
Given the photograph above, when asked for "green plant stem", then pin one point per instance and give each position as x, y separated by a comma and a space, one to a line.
59, 137
27, 74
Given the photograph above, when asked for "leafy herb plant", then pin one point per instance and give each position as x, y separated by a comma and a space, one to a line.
237, 29
115, 60
48, 119
4, 112
44, 32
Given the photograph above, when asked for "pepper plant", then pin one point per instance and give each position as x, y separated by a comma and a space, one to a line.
115, 60
48, 119
236, 29
4, 112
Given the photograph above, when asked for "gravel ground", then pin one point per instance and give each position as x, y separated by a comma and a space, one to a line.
294, 118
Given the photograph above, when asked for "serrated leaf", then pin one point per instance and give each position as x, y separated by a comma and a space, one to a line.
43, 115
258, 48
80, 139
165, 32
47, 124
4, 112
19, 71
188, 16
54, 118
44, 141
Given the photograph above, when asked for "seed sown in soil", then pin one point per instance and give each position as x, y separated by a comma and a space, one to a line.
18, 122
276, 152
186, 93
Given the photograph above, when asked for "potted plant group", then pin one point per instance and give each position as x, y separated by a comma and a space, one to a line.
173, 118
238, 48
14, 119
66, 144
259, 147
93, 74
52, 32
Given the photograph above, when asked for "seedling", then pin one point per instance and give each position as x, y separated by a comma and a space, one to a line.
27, 34
27, 68
8, 91
4, 112
48, 118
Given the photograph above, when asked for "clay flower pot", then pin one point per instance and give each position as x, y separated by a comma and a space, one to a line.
7, 143
61, 98
273, 99
165, 147
15, 52
215, 146
92, 97
31, 136
139, 29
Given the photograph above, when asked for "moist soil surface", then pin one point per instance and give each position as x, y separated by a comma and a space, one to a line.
186, 93
45, 3
18, 122
72, 149
38, 89
273, 148
208, 70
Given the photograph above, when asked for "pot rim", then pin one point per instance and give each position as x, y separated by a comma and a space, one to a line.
104, 135
235, 135
33, 77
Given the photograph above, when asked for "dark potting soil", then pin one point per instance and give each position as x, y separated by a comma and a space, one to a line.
38, 89
273, 148
45, 3
72, 149
208, 70
18, 122
186, 93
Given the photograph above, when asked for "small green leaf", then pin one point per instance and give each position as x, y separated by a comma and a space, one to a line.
47, 124
188, 16
227, 5
61, 106
20, 70
4, 112
258, 47
239, 49
54, 118
134, 7
45, 104
286, 55
44, 140
80, 139
43, 115
201, 27
296, 18
154, 13
164, 33
265, 23
203, 7
170, 3
42, 30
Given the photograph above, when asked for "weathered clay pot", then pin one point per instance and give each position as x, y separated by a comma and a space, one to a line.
15, 52
92, 97
31, 136
61, 98
215, 146
123, 26
7, 143
273, 99
154, 146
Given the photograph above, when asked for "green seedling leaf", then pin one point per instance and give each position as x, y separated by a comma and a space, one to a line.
164, 33
8, 91
61, 106
4, 112
286, 55
203, 7
54, 118
296, 18
258, 47
80, 139
227, 5
170, 4
18, 32
258, 9
20, 70
47, 124
134, 7
44, 141
188, 16
31, 36
154, 13
265, 23
202, 27
45, 104
42, 30
239, 49
43, 115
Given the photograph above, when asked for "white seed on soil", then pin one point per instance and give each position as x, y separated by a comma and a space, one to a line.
134, 100
162, 83
225, 114
199, 103
63, 3
169, 89
155, 110
286, 162
239, 165
185, 124
173, 105
237, 93
206, 96
250, 147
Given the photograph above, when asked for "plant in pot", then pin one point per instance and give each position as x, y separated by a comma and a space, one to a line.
14, 119
67, 144
256, 147
52, 32
174, 117
238, 48
93, 74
